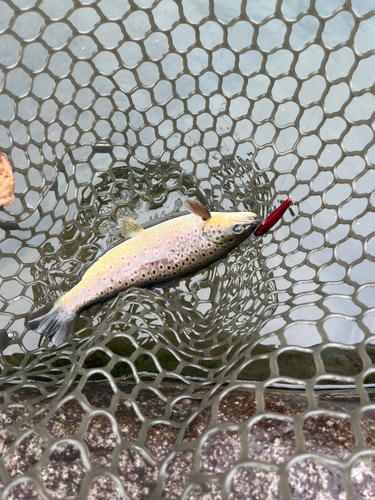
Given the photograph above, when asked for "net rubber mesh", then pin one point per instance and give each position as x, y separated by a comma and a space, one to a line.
253, 378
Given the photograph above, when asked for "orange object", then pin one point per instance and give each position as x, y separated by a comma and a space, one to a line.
6, 182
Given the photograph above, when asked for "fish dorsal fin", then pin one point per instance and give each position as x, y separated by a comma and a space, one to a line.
130, 227
198, 209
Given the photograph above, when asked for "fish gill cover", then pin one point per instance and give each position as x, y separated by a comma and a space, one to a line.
214, 387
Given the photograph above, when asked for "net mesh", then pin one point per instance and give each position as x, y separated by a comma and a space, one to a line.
253, 378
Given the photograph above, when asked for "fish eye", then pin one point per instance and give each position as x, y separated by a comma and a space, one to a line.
237, 228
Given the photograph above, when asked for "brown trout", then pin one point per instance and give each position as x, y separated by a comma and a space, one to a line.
162, 253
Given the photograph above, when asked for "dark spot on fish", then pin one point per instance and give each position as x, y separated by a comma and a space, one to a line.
153, 272
169, 267
161, 267
214, 232
111, 287
135, 272
119, 282
132, 280
193, 260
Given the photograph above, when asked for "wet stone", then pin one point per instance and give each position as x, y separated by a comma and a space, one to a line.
199, 425
97, 396
24, 491
64, 472
205, 491
178, 473
150, 404
6, 439
183, 408
29, 424
368, 427
103, 488
25, 394
237, 406
11, 415
329, 436
160, 439
285, 402
338, 400
66, 420
129, 427
137, 475
271, 440
362, 474
310, 479
100, 440
254, 482
220, 452
26, 455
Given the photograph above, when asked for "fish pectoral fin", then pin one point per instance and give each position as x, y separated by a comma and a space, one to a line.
130, 227
198, 209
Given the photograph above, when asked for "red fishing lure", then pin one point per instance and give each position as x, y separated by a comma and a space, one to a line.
273, 218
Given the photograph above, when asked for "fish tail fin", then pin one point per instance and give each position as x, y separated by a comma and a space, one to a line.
53, 322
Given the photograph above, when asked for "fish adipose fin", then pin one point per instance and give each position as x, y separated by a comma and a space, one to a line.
130, 227
53, 322
198, 209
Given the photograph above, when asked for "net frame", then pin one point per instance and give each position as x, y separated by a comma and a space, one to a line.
106, 106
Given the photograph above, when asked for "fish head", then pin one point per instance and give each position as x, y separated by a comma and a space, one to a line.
230, 228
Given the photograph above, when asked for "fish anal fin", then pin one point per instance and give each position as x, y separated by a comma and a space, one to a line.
198, 209
130, 227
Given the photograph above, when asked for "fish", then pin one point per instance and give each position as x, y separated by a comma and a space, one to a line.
165, 252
